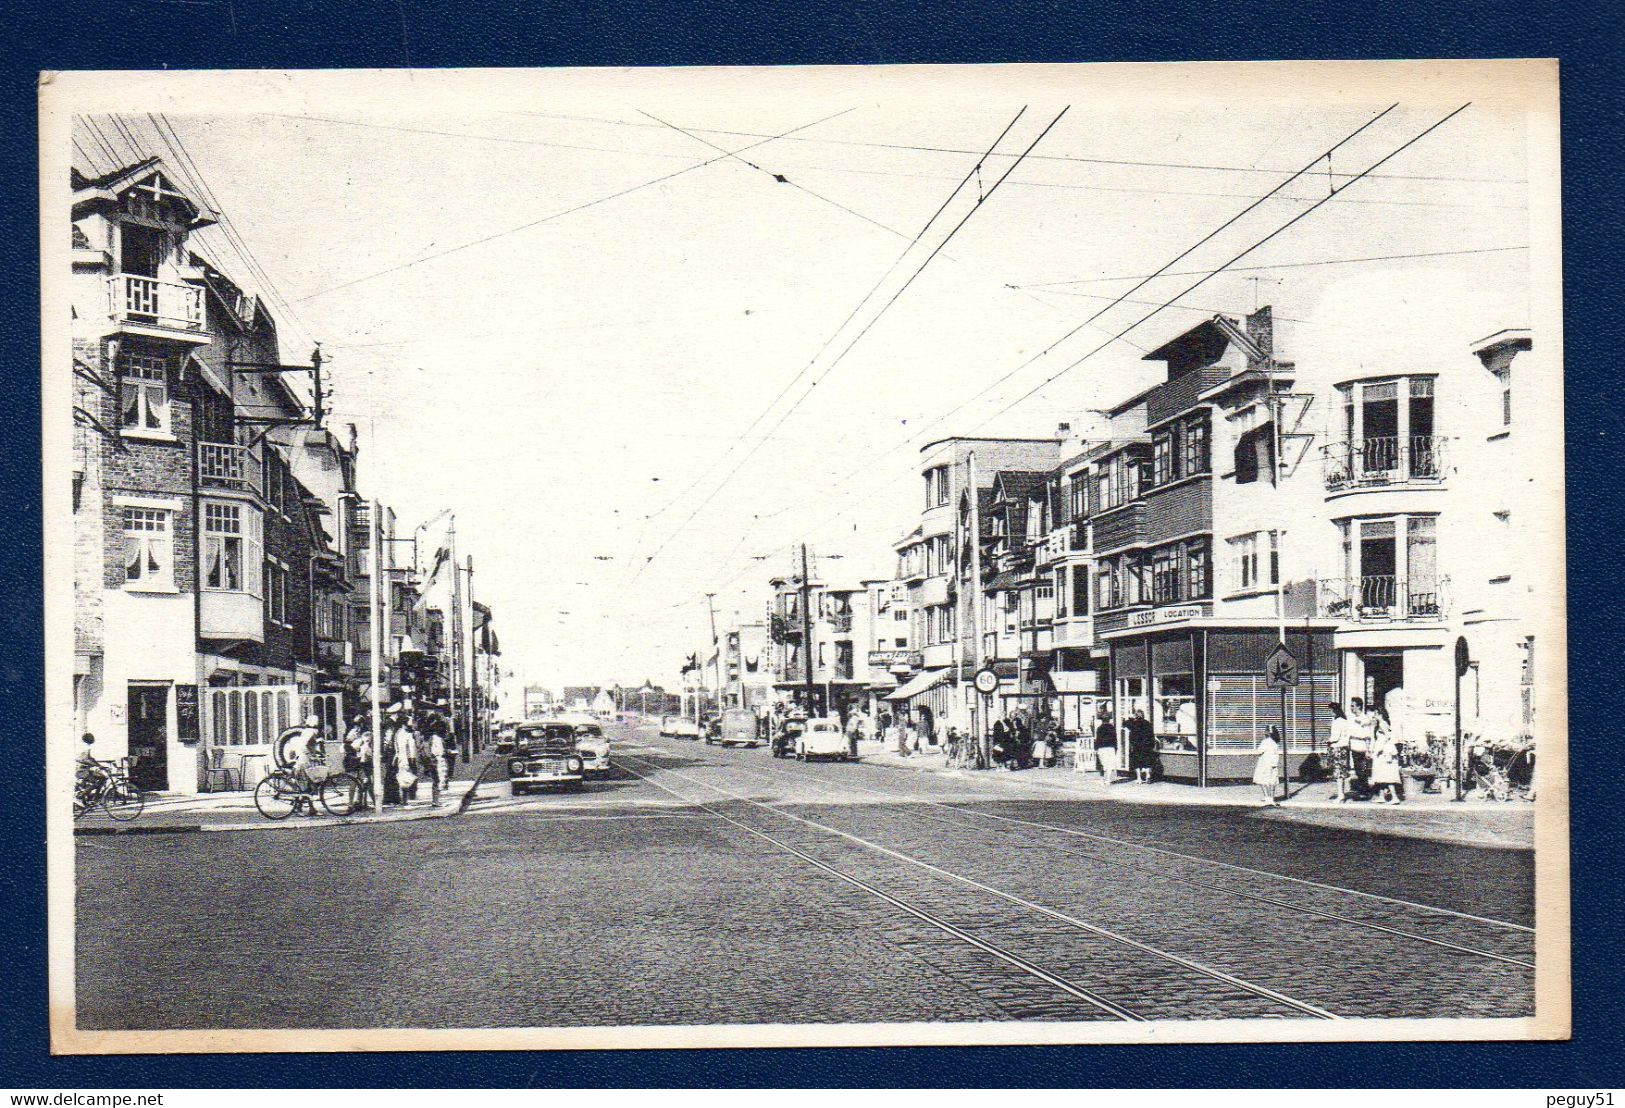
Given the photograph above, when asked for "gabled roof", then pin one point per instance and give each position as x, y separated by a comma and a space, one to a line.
108, 187
1015, 483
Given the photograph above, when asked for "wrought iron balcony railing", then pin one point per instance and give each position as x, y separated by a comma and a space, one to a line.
1384, 460
1385, 599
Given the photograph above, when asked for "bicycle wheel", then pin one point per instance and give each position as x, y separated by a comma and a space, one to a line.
123, 801
277, 796
341, 794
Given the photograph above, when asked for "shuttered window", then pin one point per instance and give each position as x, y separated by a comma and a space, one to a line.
1241, 706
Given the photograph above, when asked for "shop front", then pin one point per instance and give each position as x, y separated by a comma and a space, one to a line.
1206, 693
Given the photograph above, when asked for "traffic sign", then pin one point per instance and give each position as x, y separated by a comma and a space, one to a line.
986, 681
1282, 669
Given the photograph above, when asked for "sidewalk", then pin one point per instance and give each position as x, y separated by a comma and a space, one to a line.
1433, 816
167, 813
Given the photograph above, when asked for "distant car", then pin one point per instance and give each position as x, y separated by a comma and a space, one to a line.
738, 728
544, 755
676, 727
784, 743
823, 738
593, 746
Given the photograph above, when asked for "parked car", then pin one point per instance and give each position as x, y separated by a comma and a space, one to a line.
593, 746
823, 738
545, 755
784, 743
738, 728
676, 727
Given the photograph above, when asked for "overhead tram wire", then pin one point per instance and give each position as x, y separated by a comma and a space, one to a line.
858, 307
1209, 275
1054, 285
560, 214
228, 226
1222, 268
634, 567
1120, 298
1127, 162
982, 199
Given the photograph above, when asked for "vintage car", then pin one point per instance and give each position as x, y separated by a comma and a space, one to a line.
676, 727
593, 746
738, 728
823, 738
544, 755
505, 738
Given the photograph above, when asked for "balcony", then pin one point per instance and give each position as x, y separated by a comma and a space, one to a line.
231, 617
165, 308
1383, 461
335, 652
1078, 536
840, 622
1386, 599
1120, 527
223, 465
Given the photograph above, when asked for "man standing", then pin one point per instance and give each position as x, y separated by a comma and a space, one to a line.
1106, 744
1142, 745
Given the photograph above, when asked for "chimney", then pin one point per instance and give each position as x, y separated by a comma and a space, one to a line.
1261, 329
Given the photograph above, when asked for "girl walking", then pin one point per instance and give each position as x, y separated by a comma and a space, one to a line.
1267, 770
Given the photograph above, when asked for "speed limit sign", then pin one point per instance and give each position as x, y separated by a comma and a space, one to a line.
986, 681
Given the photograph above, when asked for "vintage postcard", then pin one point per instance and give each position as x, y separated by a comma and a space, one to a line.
830, 556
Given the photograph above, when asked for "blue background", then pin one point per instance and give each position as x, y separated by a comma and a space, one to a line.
150, 34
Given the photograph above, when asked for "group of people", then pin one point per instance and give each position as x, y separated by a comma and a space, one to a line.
417, 748
1142, 746
1365, 754
1019, 742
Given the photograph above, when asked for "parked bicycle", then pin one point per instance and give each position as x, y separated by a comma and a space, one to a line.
299, 783
106, 785
1501, 772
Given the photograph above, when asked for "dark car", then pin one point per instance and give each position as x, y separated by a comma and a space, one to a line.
784, 743
545, 754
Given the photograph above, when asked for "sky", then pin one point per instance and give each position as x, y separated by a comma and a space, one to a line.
641, 371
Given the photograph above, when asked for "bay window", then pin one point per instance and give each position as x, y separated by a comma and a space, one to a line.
223, 547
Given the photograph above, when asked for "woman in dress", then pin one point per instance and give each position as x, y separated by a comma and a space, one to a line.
1341, 746
1267, 770
1385, 776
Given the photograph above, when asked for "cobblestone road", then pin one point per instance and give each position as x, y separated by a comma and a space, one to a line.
707, 886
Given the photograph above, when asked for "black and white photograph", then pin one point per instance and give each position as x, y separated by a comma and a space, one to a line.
829, 556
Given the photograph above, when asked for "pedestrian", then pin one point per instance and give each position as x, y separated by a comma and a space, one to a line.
439, 766
360, 742
1142, 746
1385, 777
1340, 742
353, 762
1267, 770
1000, 742
1106, 745
1021, 738
406, 758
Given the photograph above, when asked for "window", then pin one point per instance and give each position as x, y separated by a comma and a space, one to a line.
1078, 491
276, 592
1196, 456
223, 547
1165, 575
900, 615
1162, 459
1275, 557
148, 550
1173, 715
936, 487
143, 393
1244, 557
1080, 590
1198, 581
1106, 585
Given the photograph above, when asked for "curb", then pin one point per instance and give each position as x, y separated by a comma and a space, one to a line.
150, 829
1123, 798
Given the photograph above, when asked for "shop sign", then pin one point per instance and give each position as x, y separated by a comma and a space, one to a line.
186, 713
1164, 615
889, 658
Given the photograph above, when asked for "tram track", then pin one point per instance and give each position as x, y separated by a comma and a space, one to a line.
1009, 825
1184, 987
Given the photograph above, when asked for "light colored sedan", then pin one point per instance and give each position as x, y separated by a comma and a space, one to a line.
593, 746
823, 738
676, 727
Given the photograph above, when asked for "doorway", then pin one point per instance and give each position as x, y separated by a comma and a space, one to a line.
1383, 674
148, 717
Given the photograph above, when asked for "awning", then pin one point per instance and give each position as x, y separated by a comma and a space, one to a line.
1086, 682
918, 684
1009, 579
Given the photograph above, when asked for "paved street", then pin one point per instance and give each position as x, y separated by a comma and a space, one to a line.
700, 885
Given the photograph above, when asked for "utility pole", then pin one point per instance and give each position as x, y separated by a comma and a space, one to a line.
978, 727
471, 673
454, 670
716, 652
806, 628
375, 649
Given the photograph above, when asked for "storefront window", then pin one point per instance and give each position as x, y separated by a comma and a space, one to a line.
1175, 717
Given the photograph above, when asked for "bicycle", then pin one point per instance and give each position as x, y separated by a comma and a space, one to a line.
107, 785
287, 792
